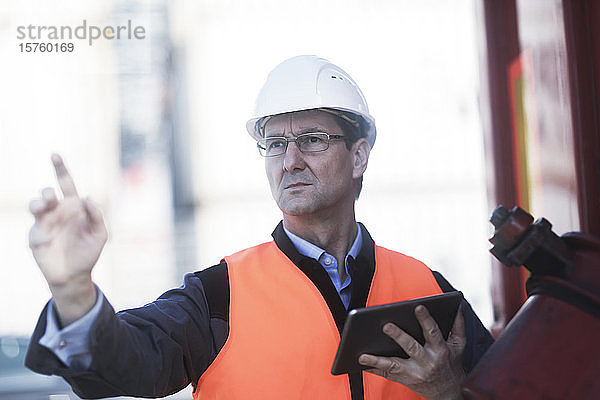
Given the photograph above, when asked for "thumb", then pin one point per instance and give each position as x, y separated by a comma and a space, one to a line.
94, 215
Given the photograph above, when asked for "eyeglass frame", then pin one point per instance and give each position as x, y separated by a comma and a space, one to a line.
295, 139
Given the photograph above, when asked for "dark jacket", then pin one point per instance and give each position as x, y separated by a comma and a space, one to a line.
158, 349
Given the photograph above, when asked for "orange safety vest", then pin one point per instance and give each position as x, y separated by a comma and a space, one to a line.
282, 337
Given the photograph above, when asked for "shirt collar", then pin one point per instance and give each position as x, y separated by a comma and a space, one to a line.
313, 251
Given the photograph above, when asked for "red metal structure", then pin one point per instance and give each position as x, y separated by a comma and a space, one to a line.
540, 73
540, 70
549, 350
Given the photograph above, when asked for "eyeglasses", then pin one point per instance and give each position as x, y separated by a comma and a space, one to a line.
307, 143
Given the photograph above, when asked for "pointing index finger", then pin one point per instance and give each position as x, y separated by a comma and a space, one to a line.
65, 181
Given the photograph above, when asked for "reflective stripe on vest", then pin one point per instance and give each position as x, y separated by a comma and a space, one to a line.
282, 337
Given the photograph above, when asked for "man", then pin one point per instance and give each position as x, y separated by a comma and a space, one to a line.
265, 322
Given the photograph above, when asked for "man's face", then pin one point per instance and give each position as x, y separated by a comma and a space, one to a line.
307, 183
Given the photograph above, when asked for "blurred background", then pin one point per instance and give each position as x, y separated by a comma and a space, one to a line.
476, 102
137, 122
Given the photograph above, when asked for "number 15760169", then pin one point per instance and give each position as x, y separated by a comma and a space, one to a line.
42, 47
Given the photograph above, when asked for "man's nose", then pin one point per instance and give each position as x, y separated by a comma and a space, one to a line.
293, 158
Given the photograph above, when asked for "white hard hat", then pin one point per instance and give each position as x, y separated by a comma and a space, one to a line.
306, 83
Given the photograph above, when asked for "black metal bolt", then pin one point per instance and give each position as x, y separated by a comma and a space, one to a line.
499, 216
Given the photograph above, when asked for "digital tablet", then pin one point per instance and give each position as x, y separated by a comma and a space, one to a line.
363, 330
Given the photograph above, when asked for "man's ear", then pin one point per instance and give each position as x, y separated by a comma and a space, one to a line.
360, 153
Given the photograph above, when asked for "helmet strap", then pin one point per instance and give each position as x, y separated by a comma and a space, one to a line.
342, 115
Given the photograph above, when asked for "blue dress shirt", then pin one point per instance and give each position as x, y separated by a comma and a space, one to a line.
329, 262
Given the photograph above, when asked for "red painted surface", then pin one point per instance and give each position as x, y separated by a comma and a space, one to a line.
546, 352
498, 24
583, 53
563, 41
548, 349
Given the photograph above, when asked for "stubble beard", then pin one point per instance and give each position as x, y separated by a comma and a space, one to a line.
299, 204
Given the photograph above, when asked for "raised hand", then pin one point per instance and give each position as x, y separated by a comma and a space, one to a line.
434, 370
66, 240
